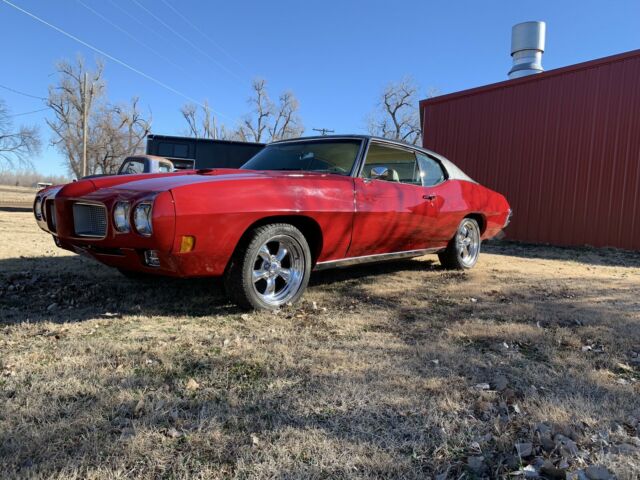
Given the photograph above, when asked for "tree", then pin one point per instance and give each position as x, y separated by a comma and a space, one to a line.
268, 121
17, 145
397, 116
113, 131
121, 132
203, 126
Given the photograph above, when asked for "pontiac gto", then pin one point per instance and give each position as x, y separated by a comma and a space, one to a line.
297, 205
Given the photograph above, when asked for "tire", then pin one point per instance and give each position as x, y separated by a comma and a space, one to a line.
464, 248
270, 268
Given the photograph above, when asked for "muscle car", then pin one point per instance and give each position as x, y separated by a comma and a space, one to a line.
297, 205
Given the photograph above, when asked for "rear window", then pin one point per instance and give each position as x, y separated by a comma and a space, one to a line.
131, 167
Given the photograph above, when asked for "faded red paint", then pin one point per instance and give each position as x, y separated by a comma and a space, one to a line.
563, 146
354, 218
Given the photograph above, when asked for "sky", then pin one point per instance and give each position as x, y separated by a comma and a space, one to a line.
336, 56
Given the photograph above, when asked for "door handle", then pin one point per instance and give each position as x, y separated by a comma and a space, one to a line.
429, 197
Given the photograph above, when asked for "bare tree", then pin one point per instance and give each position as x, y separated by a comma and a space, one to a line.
120, 132
397, 116
204, 125
17, 145
268, 121
286, 123
68, 100
255, 124
113, 131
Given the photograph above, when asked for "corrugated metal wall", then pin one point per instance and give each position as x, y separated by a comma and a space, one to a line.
563, 146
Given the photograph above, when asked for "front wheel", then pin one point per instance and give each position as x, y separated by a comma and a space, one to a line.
270, 268
464, 248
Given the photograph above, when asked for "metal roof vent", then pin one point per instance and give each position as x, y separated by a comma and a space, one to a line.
527, 46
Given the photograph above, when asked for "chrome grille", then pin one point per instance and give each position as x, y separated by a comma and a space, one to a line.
89, 220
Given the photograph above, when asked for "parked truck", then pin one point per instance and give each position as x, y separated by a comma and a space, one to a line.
187, 152
167, 153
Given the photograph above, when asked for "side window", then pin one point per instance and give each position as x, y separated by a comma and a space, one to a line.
430, 170
395, 164
132, 167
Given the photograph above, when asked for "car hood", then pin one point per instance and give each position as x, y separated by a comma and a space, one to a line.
169, 181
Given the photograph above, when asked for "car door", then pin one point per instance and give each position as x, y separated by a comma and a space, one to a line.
393, 212
444, 200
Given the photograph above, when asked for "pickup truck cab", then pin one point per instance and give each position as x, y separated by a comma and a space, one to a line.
145, 164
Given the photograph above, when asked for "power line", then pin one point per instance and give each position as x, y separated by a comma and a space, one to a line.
197, 29
110, 57
136, 19
21, 93
137, 40
27, 113
186, 40
127, 33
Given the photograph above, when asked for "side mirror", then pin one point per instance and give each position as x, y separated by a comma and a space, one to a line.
380, 173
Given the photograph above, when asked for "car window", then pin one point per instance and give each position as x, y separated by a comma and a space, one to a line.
164, 167
401, 165
329, 156
430, 170
132, 167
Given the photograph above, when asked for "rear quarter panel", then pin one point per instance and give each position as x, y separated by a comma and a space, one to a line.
492, 206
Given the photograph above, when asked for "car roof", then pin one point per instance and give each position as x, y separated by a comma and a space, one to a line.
452, 170
357, 137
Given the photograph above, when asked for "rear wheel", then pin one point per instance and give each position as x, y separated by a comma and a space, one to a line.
464, 248
270, 268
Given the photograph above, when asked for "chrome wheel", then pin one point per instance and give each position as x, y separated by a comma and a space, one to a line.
468, 242
278, 270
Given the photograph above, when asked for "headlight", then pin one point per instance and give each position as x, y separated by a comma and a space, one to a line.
121, 217
37, 208
142, 218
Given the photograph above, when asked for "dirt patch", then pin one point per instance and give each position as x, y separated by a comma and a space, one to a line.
398, 370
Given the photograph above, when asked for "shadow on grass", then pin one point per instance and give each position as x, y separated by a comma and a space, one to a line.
592, 256
394, 414
73, 288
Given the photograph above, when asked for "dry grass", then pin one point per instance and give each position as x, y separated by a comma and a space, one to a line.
105, 378
16, 196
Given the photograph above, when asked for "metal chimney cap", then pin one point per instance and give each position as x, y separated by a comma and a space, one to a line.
528, 36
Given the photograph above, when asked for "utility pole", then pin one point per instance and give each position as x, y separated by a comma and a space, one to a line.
84, 126
323, 131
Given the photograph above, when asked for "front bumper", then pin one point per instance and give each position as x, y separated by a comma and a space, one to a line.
127, 250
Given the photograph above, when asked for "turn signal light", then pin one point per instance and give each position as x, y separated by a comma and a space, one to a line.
187, 243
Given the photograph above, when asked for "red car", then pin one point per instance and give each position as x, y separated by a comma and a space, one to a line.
296, 206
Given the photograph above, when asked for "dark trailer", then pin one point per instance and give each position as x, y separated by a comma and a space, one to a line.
187, 152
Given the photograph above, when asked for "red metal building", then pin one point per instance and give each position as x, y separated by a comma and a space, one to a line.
563, 146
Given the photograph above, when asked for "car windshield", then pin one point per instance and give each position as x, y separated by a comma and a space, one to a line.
328, 156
